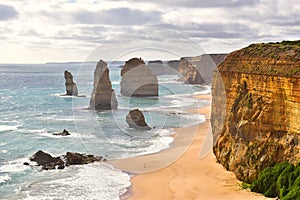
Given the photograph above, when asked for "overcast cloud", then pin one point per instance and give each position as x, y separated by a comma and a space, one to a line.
7, 12
69, 30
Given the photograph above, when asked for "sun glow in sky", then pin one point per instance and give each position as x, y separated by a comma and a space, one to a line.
71, 30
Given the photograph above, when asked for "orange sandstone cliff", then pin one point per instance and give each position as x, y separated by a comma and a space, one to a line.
256, 108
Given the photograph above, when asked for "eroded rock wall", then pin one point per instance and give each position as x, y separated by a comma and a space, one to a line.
261, 97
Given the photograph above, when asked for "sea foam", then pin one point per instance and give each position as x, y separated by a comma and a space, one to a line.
92, 181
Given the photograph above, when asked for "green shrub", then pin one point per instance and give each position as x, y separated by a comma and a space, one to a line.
245, 186
294, 194
282, 180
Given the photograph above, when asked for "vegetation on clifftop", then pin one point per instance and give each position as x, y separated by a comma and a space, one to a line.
282, 180
286, 42
274, 58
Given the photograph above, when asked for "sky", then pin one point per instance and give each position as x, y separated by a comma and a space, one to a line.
88, 30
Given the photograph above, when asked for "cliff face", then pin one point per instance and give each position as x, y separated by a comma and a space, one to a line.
260, 125
138, 80
198, 69
103, 96
71, 87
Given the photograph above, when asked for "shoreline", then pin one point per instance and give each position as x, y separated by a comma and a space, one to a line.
183, 171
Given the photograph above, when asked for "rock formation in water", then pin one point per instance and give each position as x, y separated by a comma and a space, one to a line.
199, 69
71, 87
261, 97
157, 67
63, 133
103, 96
49, 162
172, 66
138, 80
136, 119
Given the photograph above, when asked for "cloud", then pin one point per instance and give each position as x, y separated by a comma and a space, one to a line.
119, 16
7, 12
202, 4
80, 25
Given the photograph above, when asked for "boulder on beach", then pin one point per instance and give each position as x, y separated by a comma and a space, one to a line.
71, 87
138, 80
103, 96
135, 119
63, 133
71, 158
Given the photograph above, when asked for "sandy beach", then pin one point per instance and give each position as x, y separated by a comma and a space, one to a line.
187, 170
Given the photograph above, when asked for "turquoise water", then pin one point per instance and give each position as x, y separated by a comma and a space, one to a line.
32, 109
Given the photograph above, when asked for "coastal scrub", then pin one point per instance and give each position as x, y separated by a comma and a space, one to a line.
281, 180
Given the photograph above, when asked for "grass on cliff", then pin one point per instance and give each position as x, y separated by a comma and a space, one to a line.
286, 42
282, 180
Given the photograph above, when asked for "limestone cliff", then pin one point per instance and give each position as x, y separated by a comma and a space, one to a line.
103, 96
261, 100
138, 80
172, 66
157, 67
71, 87
198, 69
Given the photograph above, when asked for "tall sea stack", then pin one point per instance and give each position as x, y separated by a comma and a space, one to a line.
103, 96
262, 108
71, 87
138, 80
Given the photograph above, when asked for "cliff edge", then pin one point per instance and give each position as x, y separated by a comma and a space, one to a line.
258, 88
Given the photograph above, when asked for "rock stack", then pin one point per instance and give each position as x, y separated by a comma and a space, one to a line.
199, 69
172, 66
71, 87
103, 96
138, 80
189, 72
136, 119
157, 67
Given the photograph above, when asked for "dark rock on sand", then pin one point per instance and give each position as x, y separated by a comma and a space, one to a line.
136, 119
71, 87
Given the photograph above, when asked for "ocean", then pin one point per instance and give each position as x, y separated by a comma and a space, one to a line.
32, 109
